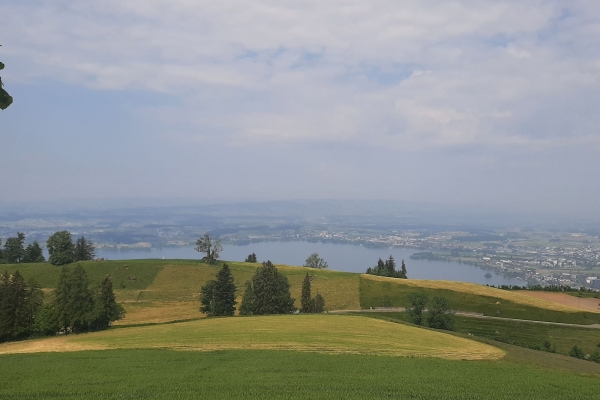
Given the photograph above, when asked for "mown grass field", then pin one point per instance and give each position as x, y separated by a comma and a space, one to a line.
525, 334
313, 333
165, 374
379, 292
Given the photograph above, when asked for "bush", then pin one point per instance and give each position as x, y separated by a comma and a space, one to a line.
577, 352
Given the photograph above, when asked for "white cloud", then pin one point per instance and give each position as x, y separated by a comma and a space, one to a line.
410, 74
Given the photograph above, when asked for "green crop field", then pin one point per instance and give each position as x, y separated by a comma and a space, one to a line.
259, 374
389, 292
298, 356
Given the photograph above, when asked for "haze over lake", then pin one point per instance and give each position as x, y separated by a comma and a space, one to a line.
341, 257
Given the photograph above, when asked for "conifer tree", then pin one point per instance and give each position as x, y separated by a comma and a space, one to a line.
305, 299
248, 300
84, 250
403, 271
106, 308
269, 292
34, 253
251, 258
218, 296
319, 304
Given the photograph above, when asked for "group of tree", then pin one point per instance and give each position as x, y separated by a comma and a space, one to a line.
267, 292
388, 268
434, 314
62, 250
314, 261
310, 304
209, 246
19, 305
251, 258
75, 306
15, 252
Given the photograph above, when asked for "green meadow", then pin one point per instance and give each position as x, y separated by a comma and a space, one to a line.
166, 349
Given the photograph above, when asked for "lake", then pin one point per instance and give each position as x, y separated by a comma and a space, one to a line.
341, 257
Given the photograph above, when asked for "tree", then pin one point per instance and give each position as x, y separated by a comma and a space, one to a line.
106, 308
19, 303
576, 352
314, 261
60, 248
439, 315
84, 250
73, 300
268, 291
5, 99
251, 258
211, 247
14, 252
218, 296
34, 254
305, 299
403, 271
319, 304
390, 266
418, 303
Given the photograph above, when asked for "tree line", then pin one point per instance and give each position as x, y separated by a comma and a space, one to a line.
267, 292
388, 268
61, 249
75, 307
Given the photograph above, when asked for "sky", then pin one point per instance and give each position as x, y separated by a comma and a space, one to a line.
485, 103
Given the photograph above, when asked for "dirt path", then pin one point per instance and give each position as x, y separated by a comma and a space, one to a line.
587, 304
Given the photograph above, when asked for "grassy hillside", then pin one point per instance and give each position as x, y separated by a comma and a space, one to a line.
167, 290
526, 334
315, 333
379, 291
163, 374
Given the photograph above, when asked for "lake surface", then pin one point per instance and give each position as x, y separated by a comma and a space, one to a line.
341, 257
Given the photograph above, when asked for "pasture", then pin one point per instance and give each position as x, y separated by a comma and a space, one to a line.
308, 333
378, 291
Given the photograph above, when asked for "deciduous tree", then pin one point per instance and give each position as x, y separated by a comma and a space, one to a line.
418, 302
14, 252
439, 315
314, 261
60, 248
211, 247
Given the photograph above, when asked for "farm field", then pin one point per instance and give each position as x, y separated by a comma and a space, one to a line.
260, 374
378, 291
525, 334
588, 303
154, 291
314, 333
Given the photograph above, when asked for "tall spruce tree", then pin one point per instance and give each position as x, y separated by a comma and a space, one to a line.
319, 304
248, 300
403, 271
218, 296
269, 292
19, 302
106, 308
306, 299
84, 250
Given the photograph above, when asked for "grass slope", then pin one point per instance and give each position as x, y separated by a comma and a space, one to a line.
380, 291
163, 374
316, 333
525, 334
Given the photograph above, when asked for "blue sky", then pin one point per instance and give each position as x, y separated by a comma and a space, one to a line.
486, 103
